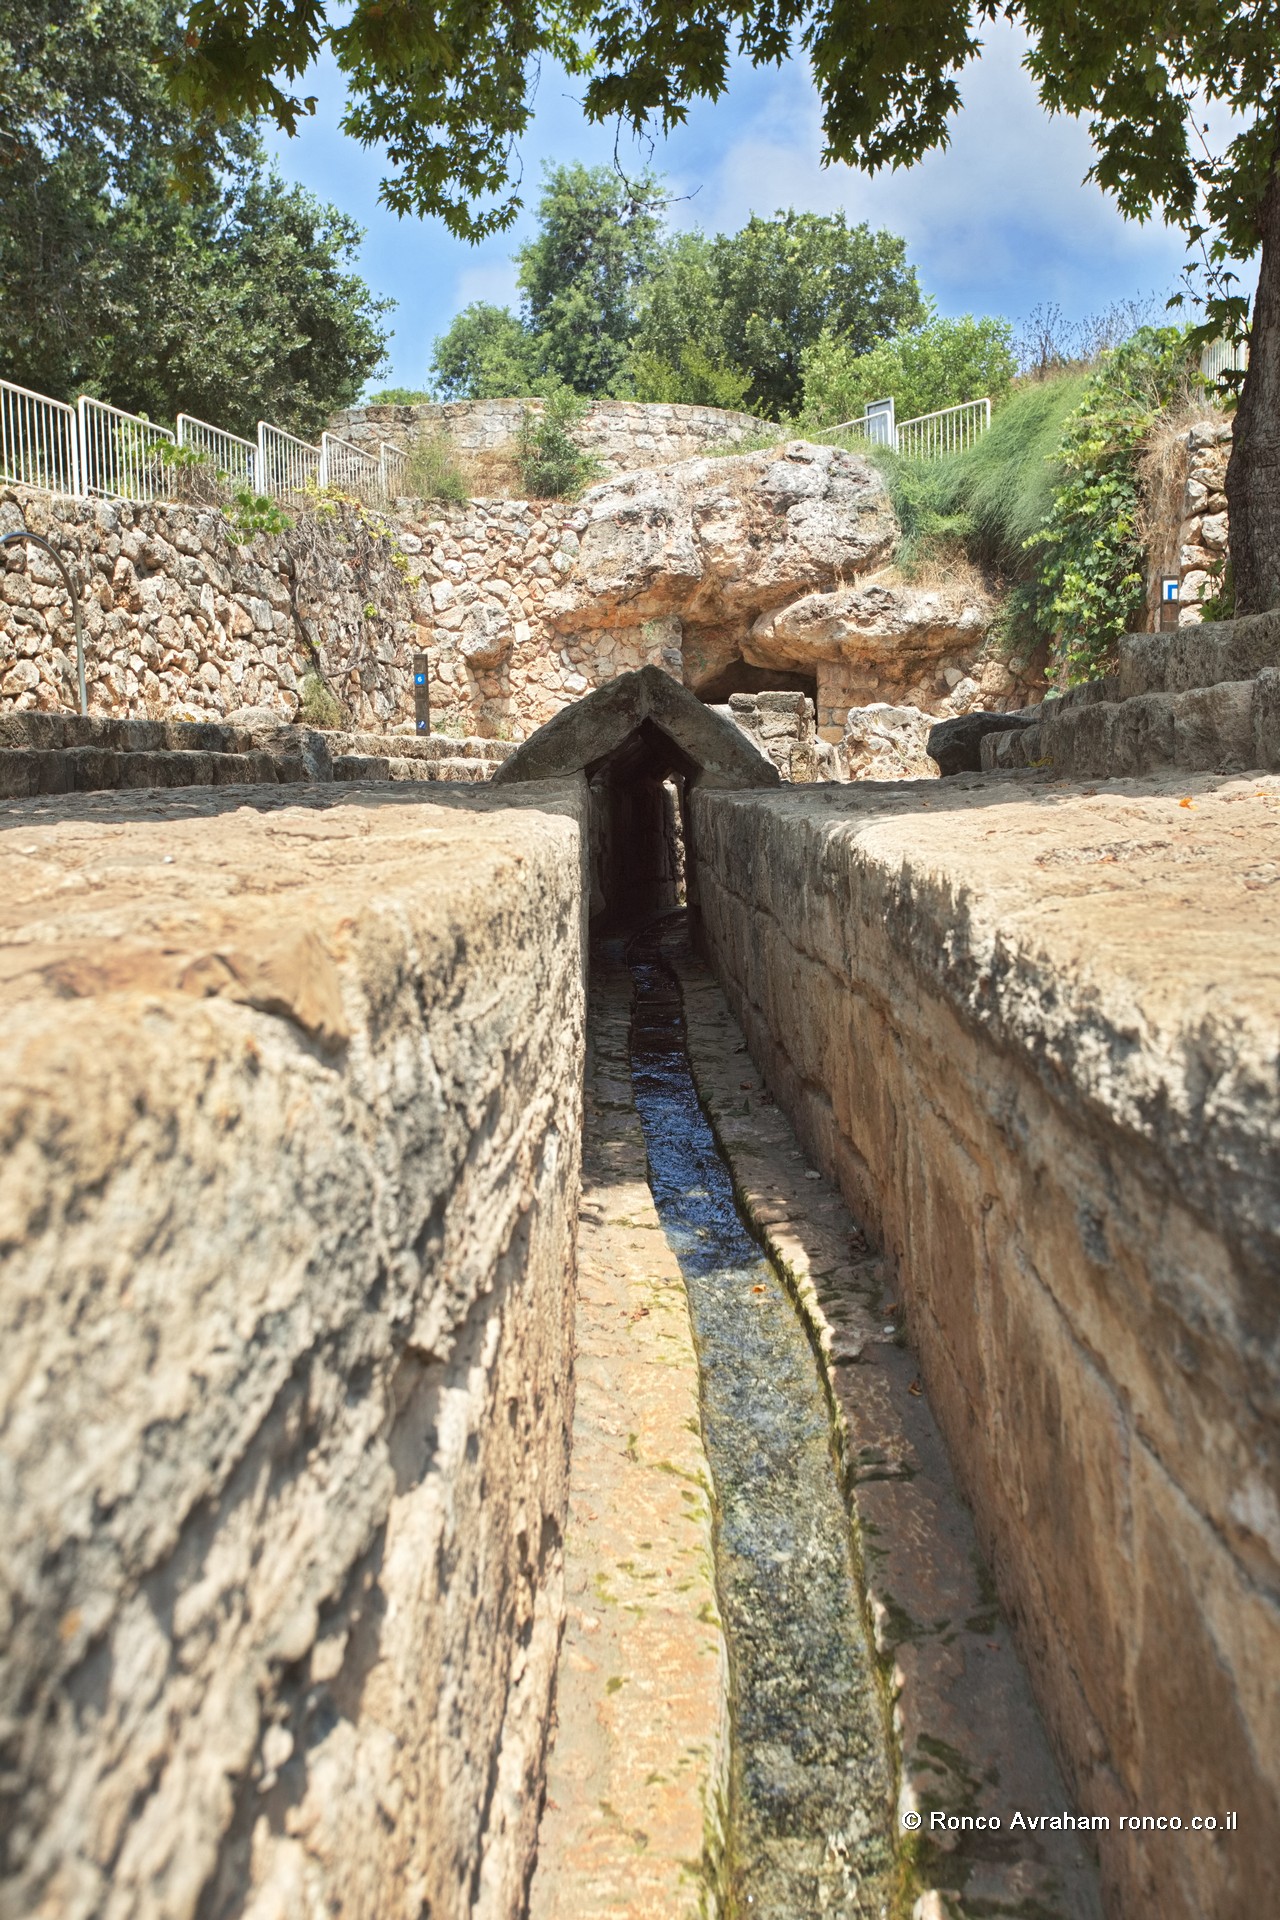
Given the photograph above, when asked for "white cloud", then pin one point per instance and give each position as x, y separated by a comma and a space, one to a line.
490, 280
1000, 220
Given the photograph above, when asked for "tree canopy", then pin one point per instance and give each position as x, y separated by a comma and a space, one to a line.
231, 301
614, 304
446, 89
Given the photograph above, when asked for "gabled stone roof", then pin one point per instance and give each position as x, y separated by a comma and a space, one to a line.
707, 749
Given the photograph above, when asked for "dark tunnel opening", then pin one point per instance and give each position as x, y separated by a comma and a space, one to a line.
640, 864
739, 677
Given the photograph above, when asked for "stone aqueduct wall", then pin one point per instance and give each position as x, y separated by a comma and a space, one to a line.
1067, 1149
291, 1110
621, 434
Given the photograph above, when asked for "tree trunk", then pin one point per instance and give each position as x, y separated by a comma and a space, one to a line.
1253, 471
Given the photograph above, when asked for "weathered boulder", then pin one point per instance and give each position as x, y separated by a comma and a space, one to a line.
882, 742
893, 627
956, 744
715, 541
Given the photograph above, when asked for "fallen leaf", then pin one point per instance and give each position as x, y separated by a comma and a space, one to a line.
1186, 803
916, 1388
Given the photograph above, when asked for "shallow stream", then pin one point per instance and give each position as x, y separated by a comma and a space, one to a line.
811, 1783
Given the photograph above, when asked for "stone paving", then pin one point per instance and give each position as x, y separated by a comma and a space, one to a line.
633, 1826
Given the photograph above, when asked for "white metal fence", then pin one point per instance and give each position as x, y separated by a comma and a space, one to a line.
96, 451
285, 464
1224, 356
39, 442
929, 436
226, 452
120, 453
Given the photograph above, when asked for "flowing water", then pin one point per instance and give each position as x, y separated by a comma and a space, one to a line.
811, 1781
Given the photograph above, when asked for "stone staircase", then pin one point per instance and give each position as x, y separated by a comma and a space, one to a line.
47, 753
1204, 698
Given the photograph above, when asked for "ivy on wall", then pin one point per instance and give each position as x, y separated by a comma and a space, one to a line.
1088, 557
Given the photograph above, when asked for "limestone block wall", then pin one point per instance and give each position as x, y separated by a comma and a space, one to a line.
621, 434
290, 1105
1052, 1097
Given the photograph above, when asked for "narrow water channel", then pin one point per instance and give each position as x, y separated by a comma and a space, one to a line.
811, 1783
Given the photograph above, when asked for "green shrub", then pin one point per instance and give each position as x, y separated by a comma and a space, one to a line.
552, 464
694, 380
924, 368
1089, 554
317, 704
432, 471
989, 500
251, 512
398, 397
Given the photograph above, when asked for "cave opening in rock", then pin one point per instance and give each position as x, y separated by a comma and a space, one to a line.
642, 742
740, 677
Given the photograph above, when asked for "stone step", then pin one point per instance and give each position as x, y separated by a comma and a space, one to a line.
25, 772
419, 746
1227, 727
374, 766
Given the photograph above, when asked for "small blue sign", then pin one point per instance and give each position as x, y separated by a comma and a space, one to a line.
422, 726
1170, 587
419, 679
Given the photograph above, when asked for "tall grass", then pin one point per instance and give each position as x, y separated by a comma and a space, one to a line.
987, 501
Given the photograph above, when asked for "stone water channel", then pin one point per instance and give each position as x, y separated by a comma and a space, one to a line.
811, 1780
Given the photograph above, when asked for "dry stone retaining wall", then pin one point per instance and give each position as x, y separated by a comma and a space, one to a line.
1033, 1034
291, 1105
620, 434
186, 620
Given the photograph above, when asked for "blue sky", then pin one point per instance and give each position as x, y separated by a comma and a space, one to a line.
1001, 222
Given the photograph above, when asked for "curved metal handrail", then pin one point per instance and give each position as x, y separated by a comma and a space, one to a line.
25, 533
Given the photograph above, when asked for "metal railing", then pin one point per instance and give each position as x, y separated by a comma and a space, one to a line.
286, 464
1224, 356
348, 467
394, 462
96, 451
227, 452
39, 443
120, 453
929, 436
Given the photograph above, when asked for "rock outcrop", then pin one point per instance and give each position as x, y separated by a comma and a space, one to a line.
893, 629
882, 742
717, 543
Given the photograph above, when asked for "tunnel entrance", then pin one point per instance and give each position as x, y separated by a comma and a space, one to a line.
639, 799
643, 742
740, 677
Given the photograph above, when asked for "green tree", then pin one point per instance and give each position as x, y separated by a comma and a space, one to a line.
783, 283
446, 88
486, 353
928, 367
231, 302
599, 240
755, 301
